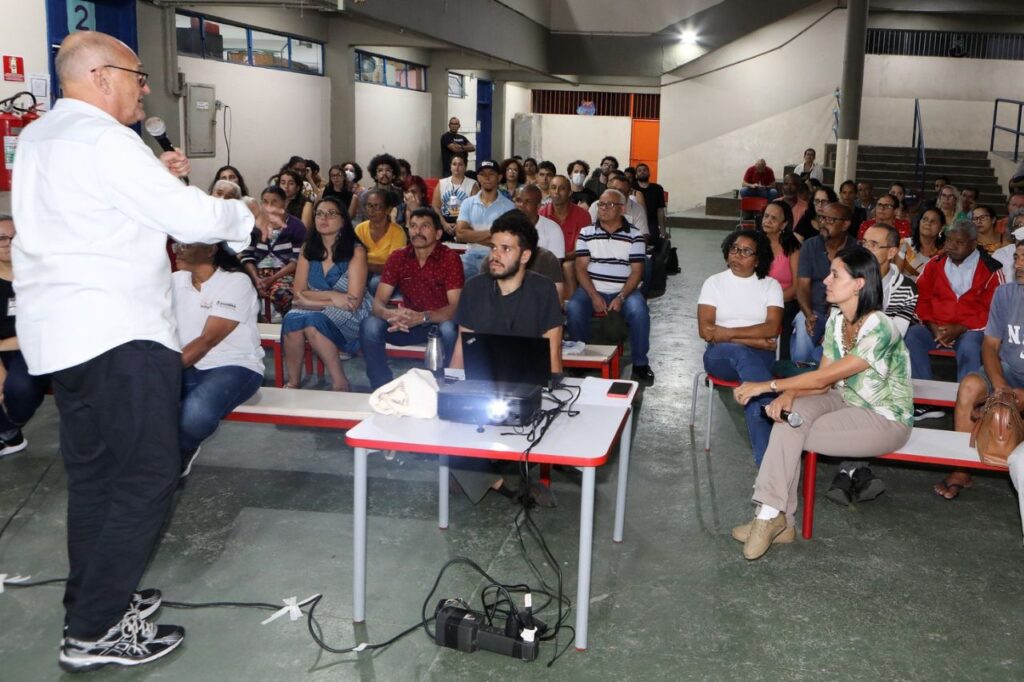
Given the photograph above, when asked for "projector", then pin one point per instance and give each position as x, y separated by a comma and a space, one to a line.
488, 402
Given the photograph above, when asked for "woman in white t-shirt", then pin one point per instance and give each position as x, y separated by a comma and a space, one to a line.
451, 192
215, 308
739, 314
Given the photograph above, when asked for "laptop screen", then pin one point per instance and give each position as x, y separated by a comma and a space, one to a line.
497, 357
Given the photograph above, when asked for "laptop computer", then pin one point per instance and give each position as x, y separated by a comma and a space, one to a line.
507, 359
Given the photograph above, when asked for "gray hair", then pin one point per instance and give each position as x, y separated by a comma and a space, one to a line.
965, 227
621, 198
4, 217
232, 189
1017, 213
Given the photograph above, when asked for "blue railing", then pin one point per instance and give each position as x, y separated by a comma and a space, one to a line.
1017, 133
920, 162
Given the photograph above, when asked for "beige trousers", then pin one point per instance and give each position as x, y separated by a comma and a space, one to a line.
831, 427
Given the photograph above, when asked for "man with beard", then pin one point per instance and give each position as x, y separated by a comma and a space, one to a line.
511, 300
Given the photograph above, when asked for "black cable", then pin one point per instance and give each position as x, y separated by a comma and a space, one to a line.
226, 127
39, 481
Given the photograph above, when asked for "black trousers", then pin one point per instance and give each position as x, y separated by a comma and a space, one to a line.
119, 440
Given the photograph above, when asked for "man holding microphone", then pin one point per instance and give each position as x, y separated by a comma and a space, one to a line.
94, 209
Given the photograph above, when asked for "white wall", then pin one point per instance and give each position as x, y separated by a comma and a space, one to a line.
1004, 169
464, 108
23, 34
518, 100
394, 121
565, 138
274, 114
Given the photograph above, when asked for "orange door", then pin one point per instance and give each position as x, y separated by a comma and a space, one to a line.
643, 146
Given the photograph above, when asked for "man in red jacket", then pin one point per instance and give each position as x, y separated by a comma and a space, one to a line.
954, 294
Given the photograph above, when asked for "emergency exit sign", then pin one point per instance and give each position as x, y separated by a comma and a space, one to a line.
14, 69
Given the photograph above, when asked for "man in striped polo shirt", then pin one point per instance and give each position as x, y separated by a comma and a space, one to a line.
610, 258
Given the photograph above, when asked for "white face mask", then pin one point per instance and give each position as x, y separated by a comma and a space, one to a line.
579, 178
351, 175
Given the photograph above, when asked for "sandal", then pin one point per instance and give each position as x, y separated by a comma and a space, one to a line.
949, 491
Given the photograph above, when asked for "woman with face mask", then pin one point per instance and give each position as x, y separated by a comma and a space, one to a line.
578, 172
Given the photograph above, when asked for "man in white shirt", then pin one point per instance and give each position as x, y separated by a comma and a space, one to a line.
634, 212
94, 208
549, 234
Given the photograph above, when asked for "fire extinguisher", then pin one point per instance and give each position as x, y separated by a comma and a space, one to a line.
13, 118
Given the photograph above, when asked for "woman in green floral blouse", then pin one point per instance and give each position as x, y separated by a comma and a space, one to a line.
858, 403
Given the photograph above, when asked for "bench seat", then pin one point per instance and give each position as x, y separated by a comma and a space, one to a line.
295, 407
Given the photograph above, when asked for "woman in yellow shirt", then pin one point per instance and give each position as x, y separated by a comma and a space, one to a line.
380, 235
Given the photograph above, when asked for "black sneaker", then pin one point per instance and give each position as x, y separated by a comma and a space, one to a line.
146, 602
643, 374
841, 490
16, 443
187, 458
921, 413
131, 642
866, 486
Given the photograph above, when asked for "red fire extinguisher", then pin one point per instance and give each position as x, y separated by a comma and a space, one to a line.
13, 118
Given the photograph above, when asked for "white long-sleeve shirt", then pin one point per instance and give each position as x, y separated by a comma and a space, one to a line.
93, 208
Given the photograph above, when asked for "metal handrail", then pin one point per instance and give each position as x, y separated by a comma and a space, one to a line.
920, 163
1016, 131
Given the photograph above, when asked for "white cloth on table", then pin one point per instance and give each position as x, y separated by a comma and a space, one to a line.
414, 394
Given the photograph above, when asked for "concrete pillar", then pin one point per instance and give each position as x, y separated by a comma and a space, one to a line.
501, 146
339, 66
850, 91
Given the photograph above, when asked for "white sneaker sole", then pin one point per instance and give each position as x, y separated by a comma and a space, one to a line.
77, 665
11, 449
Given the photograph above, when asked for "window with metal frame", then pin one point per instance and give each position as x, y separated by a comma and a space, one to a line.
456, 85
962, 44
379, 69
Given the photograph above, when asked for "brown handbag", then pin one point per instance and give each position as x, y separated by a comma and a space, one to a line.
999, 427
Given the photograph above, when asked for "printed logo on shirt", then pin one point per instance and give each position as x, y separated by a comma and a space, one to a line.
227, 304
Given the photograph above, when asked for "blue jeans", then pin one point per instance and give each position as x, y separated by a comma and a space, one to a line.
804, 348
374, 335
23, 393
472, 260
209, 395
919, 341
580, 309
769, 193
736, 362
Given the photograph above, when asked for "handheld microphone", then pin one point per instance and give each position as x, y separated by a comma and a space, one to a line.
156, 127
791, 418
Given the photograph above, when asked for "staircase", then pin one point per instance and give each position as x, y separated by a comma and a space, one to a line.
880, 166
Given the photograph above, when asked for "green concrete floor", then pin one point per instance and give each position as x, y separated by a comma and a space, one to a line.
907, 587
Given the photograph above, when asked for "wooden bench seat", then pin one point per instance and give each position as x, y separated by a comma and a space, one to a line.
940, 393
947, 449
295, 407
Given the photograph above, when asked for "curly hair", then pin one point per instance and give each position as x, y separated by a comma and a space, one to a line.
385, 159
763, 247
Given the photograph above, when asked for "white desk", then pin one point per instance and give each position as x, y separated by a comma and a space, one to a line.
583, 441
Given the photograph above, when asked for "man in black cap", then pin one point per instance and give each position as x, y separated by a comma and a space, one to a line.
478, 213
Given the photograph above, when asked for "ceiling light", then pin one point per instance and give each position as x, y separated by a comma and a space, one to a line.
688, 38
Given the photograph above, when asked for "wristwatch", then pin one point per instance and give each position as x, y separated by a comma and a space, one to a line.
426, 317
773, 385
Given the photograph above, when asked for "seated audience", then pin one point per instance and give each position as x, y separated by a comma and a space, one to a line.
816, 256
654, 203
739, 313
21, 393
338, 185
900, 192
855, 482
865, 196
512, 177
848, 197
477, 214
885, 212
634, 213
610, 257
926, 241
1014, 203
954, 294
353, 176
530, 170
296, 203
225, 189
549, 234
231, 174
414, 196
1015, 235
570, 218
379, 234
949, 204
791, 195
808, 168
777, 225
759, 181
969, 200
577, 172
331, 300
404, 171
271, 263
808, 227
450, 194
859, 403
215, 310
298, 165
988, 238
1002, 367
510, 299
384, 169
429, 276
313, 177
545, 172
598, 182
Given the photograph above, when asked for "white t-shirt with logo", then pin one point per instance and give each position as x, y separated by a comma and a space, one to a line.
740, 301
229, 295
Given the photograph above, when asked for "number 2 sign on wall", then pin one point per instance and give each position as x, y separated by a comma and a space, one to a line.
81, 16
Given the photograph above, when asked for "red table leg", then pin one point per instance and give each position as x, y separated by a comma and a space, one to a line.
810, 478
278, 365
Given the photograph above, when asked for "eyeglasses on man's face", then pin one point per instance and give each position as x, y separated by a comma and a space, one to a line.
141, 76
608, 204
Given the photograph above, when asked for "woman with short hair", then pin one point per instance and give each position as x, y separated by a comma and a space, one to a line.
739, 313
512, 177
857, 404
